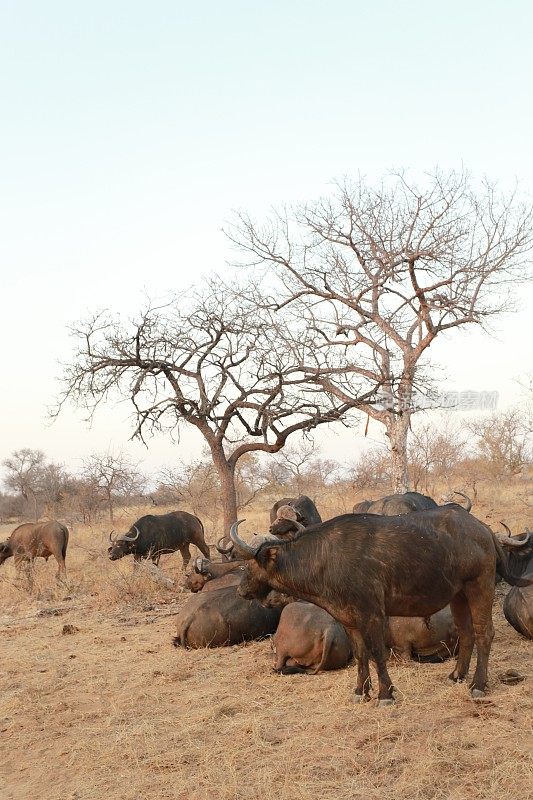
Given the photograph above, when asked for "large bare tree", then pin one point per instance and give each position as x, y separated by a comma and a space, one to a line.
209, 360
377, 273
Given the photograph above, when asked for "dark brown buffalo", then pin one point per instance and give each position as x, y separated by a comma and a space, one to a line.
37, 540
217, 616
155, 534
519, 551
433, 639
364, 568
518, 610
292, 514
308, 639
395, 504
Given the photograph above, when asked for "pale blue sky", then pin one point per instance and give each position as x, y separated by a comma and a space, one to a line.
129, 131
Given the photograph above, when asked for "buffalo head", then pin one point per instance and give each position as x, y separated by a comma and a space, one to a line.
123, 544
261, 563
287, 521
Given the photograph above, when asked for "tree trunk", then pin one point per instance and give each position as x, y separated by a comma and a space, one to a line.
397, 433
226, 474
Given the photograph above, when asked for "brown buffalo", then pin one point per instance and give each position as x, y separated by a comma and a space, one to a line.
434, 639
365, 568
308, 639
37, 540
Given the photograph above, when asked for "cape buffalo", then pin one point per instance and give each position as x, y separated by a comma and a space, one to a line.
219, 617
395, 504
37, 540
293, 514
362, 568
308, 639
431, 639
519, 551
153, 535
518, 610
208, 575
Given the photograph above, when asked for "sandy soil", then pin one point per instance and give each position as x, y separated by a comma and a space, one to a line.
107, 708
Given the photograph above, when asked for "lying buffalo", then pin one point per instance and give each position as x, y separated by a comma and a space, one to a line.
363, 568
293, 514
518, 610
37, 540
308, 639
396, 504
153, 535
208, 575
217, 616
431, 639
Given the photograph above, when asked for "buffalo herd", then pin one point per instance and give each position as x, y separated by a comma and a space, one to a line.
400, 577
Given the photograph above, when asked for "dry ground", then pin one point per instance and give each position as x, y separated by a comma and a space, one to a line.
112, 710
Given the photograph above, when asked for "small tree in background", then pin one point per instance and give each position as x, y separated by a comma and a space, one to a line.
24, 475
114, 477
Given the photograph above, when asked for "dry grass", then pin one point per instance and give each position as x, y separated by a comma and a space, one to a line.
112, 710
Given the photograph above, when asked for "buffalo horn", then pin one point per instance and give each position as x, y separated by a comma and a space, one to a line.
111, 539
246, 550
200, 566
506, 528
221, 549
287, 512
513, 541
468, 500
126, 538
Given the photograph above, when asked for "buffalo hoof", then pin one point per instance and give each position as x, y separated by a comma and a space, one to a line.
361, 698
386, 701
477, 694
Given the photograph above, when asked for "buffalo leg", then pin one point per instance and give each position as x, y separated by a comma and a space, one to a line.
375, 639
61, 568
186, 555
480, 600
362, 689
463, 622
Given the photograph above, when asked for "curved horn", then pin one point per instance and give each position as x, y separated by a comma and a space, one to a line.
506, 528
126, 538
223, 550
512, 541
286, 512
468, 500
299, 525
243, 547
111, 538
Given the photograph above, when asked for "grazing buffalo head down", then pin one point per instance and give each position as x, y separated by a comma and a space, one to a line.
124, 544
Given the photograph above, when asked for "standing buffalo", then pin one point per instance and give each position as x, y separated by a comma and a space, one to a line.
152, 535
396, 504
363, 568
293, 514
37, 540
